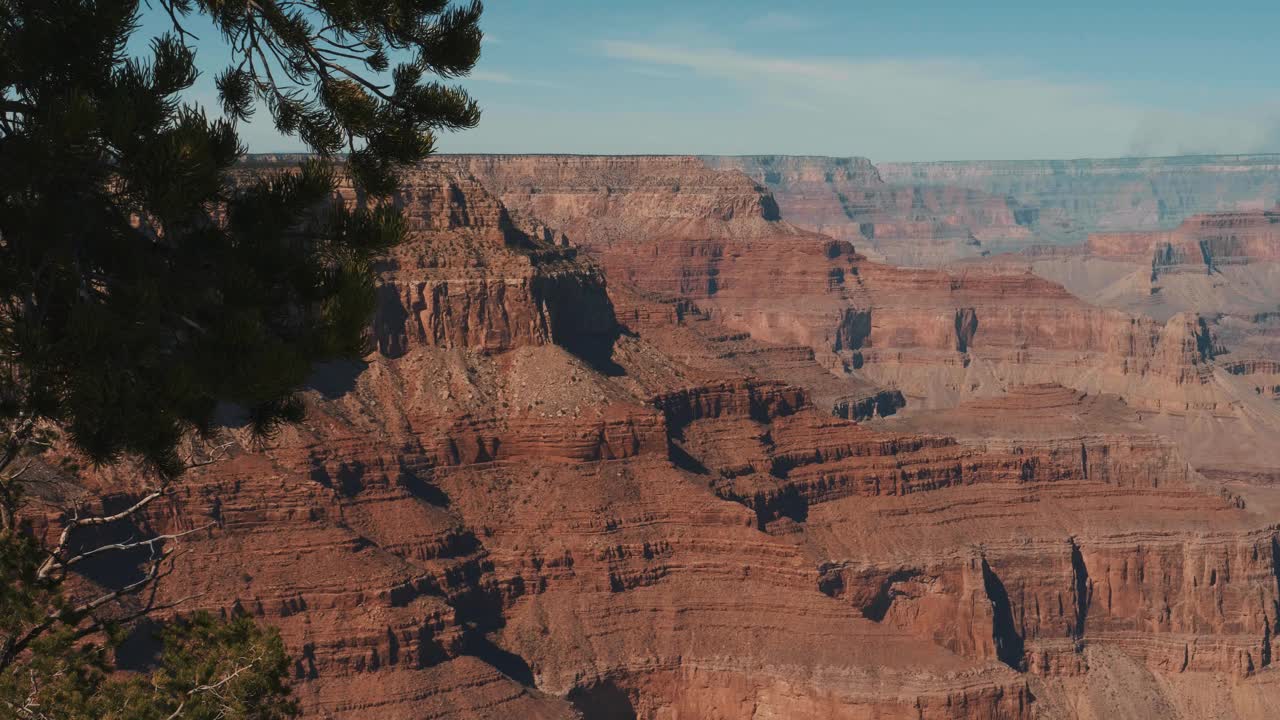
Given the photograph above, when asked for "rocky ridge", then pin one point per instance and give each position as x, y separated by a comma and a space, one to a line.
1224, 267
1112, 194
906, 224
930, 214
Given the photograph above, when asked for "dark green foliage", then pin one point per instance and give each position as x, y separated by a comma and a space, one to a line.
317, 65
213, 669
140, 287
208, 668
151, 289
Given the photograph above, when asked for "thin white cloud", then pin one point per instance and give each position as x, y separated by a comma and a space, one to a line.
775, 21
502, 78
838, 76
491, 76
655, 72
725, 63
936, 108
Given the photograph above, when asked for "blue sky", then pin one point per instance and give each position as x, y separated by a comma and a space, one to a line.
891, 81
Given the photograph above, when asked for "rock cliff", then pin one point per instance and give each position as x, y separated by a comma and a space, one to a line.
903, 223
786, 285
935, 336
929, 214
606, 463
1221, 268
1203, 242
1112, 194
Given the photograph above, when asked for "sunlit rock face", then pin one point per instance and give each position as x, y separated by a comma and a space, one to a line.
633, 443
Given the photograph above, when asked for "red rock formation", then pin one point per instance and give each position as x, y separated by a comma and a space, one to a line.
928, 214
906, 224
1204, 242
1223, 268
787, 286
1144, 589
1111, 194
589, 195
547, 496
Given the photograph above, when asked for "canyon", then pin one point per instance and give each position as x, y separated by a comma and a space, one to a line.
1115, 193
933, 213
672, 437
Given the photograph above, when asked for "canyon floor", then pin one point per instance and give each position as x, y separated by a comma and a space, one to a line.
777, 437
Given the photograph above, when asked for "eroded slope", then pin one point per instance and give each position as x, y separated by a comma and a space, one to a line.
551, 496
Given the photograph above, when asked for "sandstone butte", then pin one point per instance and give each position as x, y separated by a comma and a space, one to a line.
633, 445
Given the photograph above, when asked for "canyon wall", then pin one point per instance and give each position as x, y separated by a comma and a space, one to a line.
1204, 242
1119, 194
1224, 267
926, 332
929, 214
907, 224
939, 337
632, 445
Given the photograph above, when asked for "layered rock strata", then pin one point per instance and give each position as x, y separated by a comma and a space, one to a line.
1112, 194
927, 214
1204, 243
785, 285
906, 224
551, 496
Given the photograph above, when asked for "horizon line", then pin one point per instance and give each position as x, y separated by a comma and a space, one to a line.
302, 153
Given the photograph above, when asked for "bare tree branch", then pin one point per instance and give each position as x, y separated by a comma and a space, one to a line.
18, 438
58, 556
74, 616
130, 545
16, 107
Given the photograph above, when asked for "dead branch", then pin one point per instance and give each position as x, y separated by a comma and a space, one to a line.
58, 555
119, 547
74, 616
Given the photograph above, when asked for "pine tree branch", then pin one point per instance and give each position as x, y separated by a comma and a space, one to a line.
74, 616
173, 18
16, 107
321, 37
56, 560
10, 491
18, 438
212, 688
